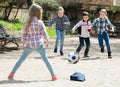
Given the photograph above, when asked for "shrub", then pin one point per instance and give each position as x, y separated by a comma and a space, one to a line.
48, 4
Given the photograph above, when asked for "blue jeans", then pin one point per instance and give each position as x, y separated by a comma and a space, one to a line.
27, 51
105, 37
81, 45
60, 36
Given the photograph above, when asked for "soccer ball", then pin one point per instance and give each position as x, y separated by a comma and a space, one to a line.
73, 57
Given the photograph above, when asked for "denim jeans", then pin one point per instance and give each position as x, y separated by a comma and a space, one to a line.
105, 37
27, 51
81, 45
60, 36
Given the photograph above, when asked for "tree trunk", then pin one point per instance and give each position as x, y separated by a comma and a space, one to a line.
16, 13
7, 12
29, 3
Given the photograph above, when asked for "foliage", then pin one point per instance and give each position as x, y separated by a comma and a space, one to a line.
11, 1
48, 4
114, 9
72, 5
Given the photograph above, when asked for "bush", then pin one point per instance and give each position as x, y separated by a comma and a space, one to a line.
48, 4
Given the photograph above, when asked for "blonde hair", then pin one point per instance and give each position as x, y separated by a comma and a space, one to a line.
61, 8
34, 11
103, 11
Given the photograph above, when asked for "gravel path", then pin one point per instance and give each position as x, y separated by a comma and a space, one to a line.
98, 69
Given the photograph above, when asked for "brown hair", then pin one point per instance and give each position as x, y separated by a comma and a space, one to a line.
85, 13
34, 11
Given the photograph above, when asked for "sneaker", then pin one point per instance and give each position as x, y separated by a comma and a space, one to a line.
54, 78
55, 50
109, 55
86, 56
102, 49
11, 76
61, 53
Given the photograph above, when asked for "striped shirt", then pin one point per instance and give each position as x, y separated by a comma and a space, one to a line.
102, 25
82, 27
60, 22
36, 33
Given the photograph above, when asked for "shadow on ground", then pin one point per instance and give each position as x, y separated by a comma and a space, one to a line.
12, 81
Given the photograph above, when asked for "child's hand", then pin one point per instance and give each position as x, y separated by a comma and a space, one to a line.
73, 32
89, 30
47, 44
93, 32
23, 47
65, 23
113, 29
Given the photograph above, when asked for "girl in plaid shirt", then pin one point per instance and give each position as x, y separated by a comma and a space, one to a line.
101, 25
34, 32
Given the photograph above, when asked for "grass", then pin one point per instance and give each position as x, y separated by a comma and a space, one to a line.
16, 26
50, 31
12, 24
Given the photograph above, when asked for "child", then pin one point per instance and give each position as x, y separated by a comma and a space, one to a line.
101, 23
61, 21
84, 33
34, 32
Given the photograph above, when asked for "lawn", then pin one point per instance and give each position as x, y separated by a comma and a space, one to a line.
16, 26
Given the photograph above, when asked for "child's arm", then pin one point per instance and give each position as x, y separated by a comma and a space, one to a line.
44, 33
24, 34
110, 24
52, 22
93, 24
67, 21
76, 26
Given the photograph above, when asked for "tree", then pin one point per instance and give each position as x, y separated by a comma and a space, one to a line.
17, 3
29, 2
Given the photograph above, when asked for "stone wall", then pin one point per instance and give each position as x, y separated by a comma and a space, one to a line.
22, 14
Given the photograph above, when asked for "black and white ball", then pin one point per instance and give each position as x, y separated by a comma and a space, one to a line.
73, 57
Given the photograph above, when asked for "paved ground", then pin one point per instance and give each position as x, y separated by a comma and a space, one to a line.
98, 69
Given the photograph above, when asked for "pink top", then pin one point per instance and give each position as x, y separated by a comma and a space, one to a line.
36, 33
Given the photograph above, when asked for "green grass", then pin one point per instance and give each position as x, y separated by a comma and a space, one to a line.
16, 26
50, 31
13, 24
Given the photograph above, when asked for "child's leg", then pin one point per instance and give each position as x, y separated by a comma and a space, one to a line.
57, 40
25, 53
42, 51
100, 40
62, 35
87, 41
81, 45
106, 38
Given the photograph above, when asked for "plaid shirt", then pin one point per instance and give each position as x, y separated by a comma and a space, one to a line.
35, 35
102, 24
59, 22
